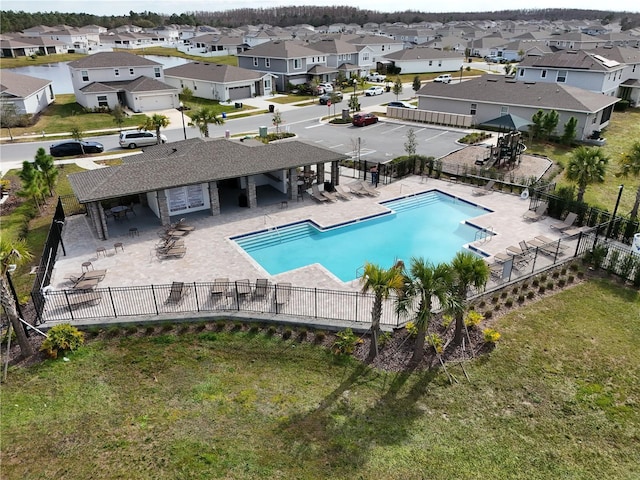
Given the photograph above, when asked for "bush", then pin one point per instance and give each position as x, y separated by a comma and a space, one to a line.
411, 329
302, 334
488, 314
286, 334
319, 336
490, 335
521, 298
435, 341
530, 295
504, 294
525, 285
345, 343
447, 319
62, 338
383, 339
574, 267
271, 331
508, 303
555, 274
561, 282
570, 279
473, 319
550, 285
541, 289
535, 282
482, 304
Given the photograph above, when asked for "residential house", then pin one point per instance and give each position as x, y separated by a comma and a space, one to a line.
341, 56
426, 59
451, 42
489, 97
118, 78
372, 49
214, 45
219, 82
582, 69
574, 41
289, 61
29, 95
621, 39
13, 46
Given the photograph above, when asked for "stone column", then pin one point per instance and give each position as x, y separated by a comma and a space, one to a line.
320, 173
214, 198
252, 198
292, 185
335, 172
163, 208
98, 220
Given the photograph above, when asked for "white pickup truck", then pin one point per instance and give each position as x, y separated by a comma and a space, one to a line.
376, 77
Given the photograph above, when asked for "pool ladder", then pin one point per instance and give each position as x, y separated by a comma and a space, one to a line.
484, 235
267, 220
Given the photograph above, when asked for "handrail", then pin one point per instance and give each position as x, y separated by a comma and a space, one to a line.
484, 234
273, 225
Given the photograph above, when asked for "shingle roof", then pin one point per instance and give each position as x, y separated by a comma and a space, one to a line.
140, 84
212, 72
21, 86
280, 49
491, 89
112, 59
333, 45
193, 161
566, 59
422, 53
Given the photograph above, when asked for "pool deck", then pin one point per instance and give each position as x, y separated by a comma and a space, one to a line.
210, 253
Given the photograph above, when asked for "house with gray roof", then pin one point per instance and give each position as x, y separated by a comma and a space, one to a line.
489, 97
118, 78
219, 82
14, 46
214, 45
202, 174
28, 95
341, 55
425, 59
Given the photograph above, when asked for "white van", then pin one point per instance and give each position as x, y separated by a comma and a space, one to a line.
444, 78
139, 138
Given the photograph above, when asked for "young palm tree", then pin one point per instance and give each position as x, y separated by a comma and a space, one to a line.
33, 183
156, 122
630, 167
382, 282
425, 283
44, 164
586, 166
202, 118
467, 270
13, 253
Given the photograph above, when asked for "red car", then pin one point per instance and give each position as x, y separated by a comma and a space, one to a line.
362, 119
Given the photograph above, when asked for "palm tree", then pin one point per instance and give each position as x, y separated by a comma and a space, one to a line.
202, 118
44, 164
13, 253
33, 183
425, 283
467, 270
156, 122
586, 166
630, 166
382, 282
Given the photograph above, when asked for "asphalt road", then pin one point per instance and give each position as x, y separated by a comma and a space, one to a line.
379, 142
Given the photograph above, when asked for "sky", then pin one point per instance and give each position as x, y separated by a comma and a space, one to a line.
123, 7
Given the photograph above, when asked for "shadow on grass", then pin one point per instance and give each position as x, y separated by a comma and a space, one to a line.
340, 433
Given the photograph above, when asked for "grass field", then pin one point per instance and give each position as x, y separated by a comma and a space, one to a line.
558, 398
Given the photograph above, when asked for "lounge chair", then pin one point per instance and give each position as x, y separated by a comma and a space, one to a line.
91, 274
501, 271
568, 222
316, 195
76, 300
342, 193
536, 214
547, 246
86, 284
484, 190
282, 293
220, 286
330, 195
262, 287
177, 252
183, 226
178, 291
521, 255
368, 190
243, 287
356, 189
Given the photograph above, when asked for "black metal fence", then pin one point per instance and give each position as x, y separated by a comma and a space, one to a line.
616, 259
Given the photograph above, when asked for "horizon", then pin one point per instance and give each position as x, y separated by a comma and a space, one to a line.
170, 7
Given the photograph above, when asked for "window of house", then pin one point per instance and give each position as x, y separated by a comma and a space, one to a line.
267, 85
85, 75
102, 101
267, 62
116, 72
521, 72
473, 109
543, 74
255, 61
365, 57
430, 62
131, 71
439, 63
562, 76
383, 48
296, 63
156, 72
504, 110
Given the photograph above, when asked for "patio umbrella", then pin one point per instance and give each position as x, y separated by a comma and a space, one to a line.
508, 122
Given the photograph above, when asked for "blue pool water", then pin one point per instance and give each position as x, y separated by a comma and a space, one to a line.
429, 225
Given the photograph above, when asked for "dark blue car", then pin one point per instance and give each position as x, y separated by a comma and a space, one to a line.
74, 147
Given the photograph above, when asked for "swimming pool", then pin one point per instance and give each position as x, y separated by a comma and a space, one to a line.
432, 225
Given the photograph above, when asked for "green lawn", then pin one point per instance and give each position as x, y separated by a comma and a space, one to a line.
558, 398
39, 60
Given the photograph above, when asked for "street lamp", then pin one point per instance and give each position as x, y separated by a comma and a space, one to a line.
615, 210
181, 109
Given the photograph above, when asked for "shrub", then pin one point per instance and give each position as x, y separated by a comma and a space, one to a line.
525, 285
220, 325
113, 331
345, 343
541, 289
530, 295
521, 298
237, 326
473, 319
167, 327
629, 262
504, 294
570, 279
495, 299
543, 278
580, 274
435, 341
319, 336
150, 330
496, 307
514, 290
411, 329
62, 338
200, 326
254, 328
490, 335
383, 339
555, 274
131, 329
482, 304
574, 267
550, 285
447, 319
508, 303
562, 282
271, 331
535, 282
286, 334
563, 271
302, 334
488, 314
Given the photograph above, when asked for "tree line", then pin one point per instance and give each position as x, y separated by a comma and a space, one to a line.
16, 21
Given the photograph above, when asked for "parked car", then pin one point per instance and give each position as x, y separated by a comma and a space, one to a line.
401, 104
139, 138
74, 147
376, 77
444, 78
371, 91
362, 119
325, 88
333, 96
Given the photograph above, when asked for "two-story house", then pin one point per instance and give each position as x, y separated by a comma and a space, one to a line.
109, 79
341, 56
425, 59
289, 61
582, 69
372, 49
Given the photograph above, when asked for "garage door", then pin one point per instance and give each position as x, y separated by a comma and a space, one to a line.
236, 93
150, 103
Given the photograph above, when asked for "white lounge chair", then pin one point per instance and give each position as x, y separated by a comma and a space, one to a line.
484, 190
